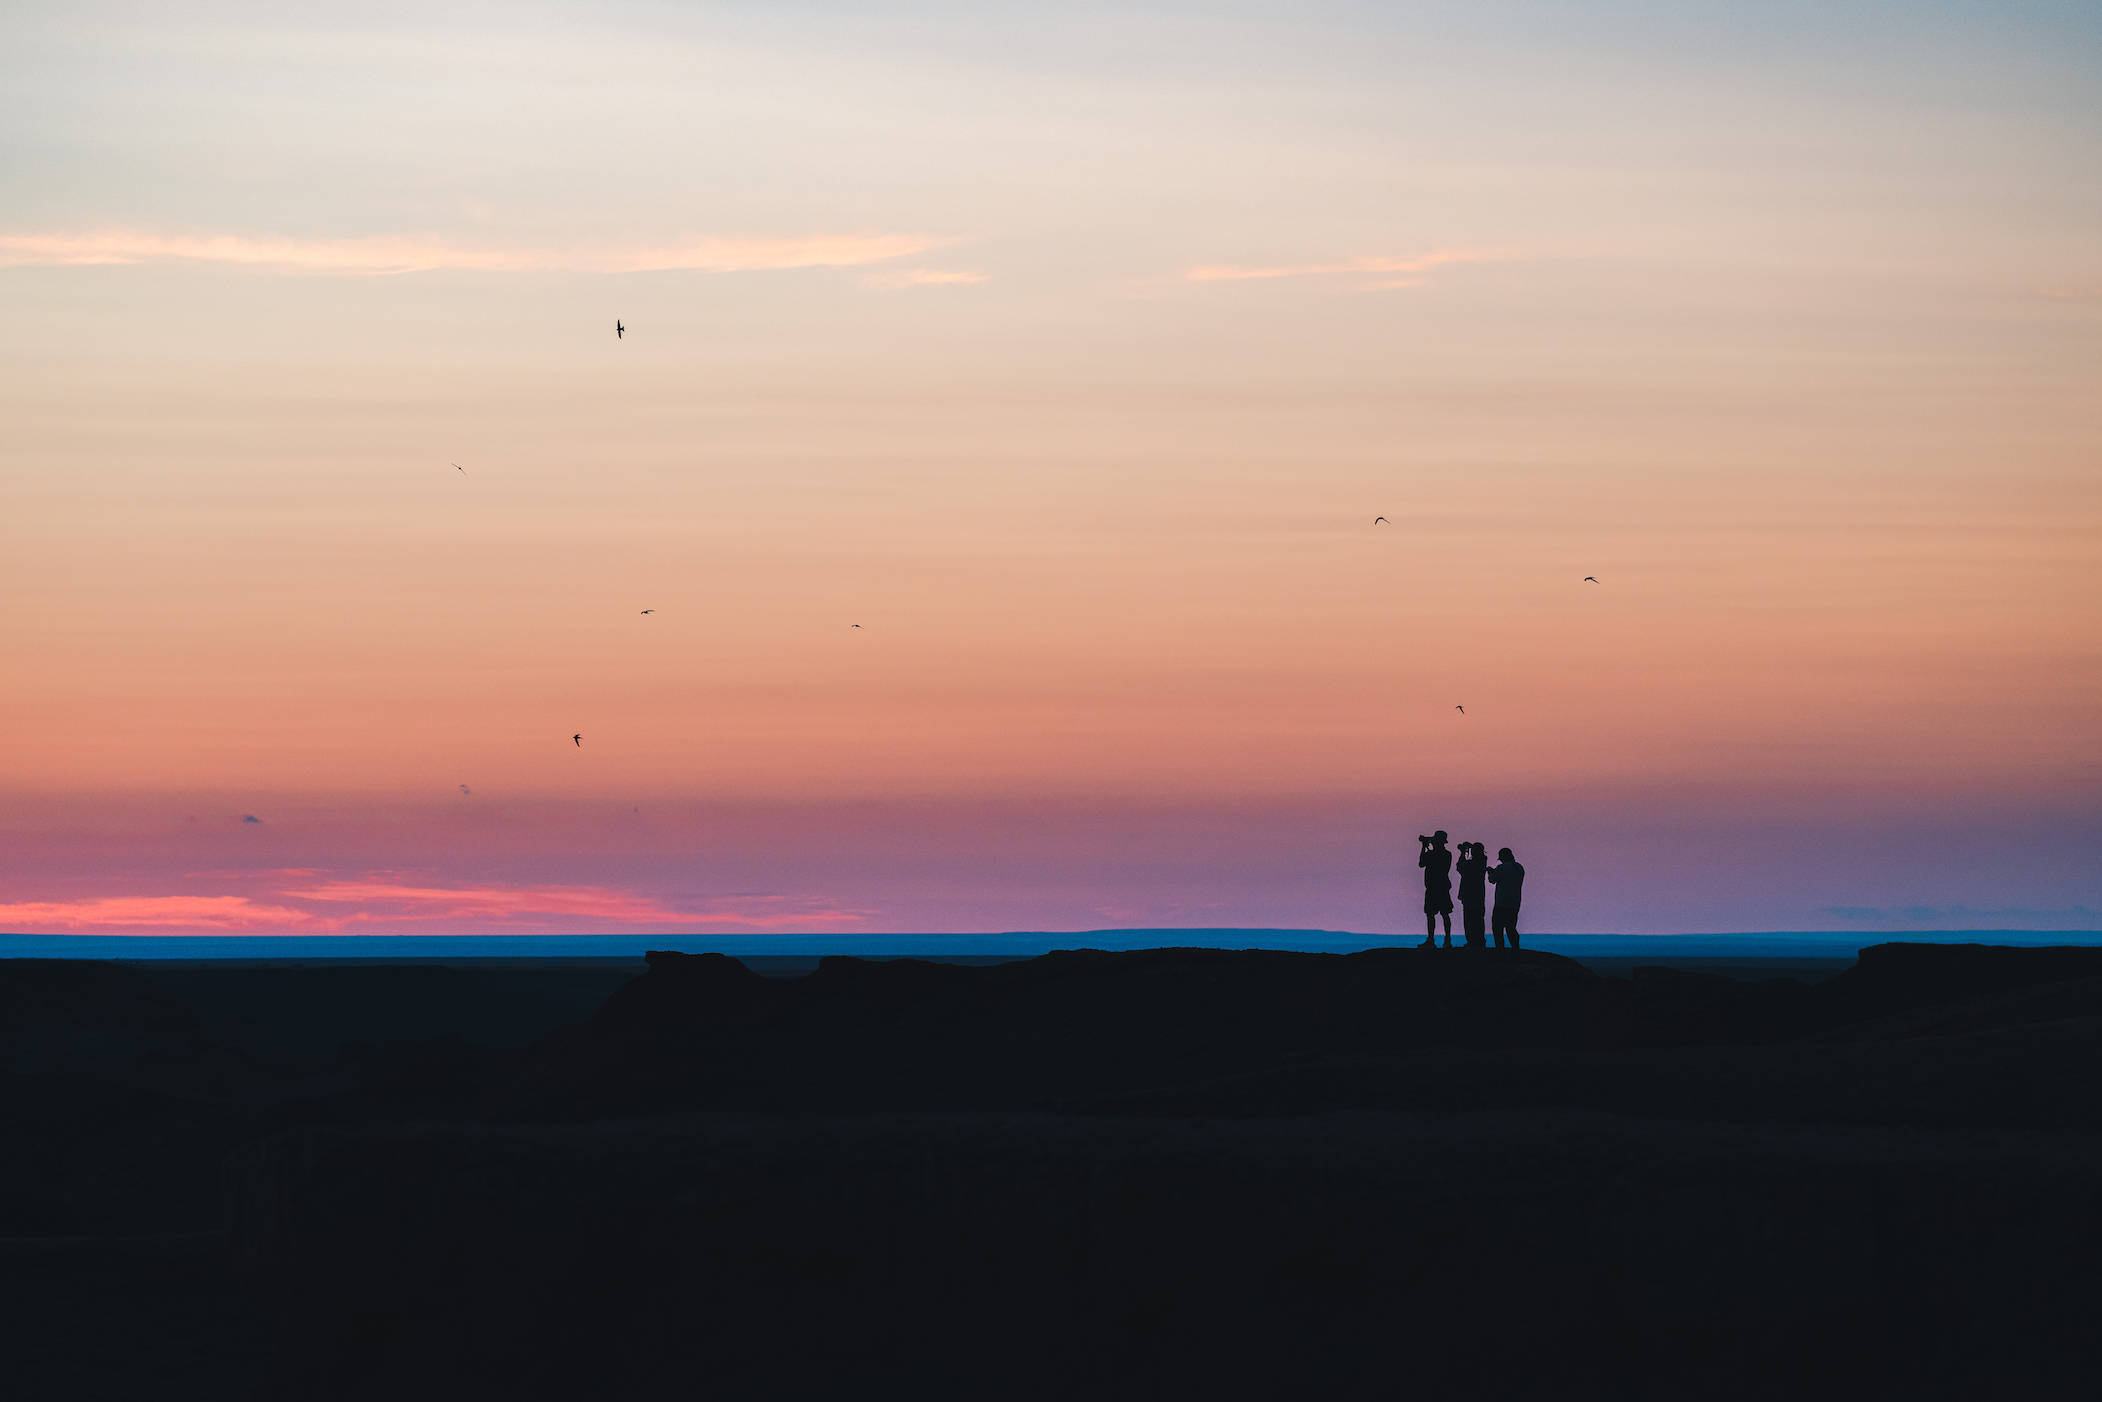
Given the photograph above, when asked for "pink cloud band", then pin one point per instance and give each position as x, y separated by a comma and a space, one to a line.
381, 901
184, 912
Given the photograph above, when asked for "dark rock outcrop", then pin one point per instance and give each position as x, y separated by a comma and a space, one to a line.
1916, 1035
699, 1032
1889, 976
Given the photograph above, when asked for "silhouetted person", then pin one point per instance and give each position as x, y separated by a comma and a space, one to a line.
1437, 888
1473, 864
1509, 879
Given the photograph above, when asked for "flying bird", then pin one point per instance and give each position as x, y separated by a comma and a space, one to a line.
619, 331
461, 468
1461, 709
1377, 519
579, 739
649, 610
1590, 579
853, 625
464, 789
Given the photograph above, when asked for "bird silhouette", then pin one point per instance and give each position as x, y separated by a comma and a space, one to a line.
461, 468
1377, 519
619, 331
853, 625
465, 790
1461, 709
1590, 579
649, 610
579, 739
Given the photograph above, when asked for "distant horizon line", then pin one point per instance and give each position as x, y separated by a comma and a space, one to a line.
842, 937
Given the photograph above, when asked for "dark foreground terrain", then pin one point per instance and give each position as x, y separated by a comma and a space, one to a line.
1164, 1174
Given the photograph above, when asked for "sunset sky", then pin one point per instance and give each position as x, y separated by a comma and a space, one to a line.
1071, 352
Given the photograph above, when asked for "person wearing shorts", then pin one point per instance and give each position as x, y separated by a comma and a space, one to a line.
1436, 862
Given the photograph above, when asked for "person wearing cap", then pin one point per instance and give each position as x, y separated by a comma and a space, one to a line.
1436, 862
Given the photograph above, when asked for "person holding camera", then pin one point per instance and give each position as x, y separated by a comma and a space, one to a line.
1437, 888
1472, 866
1509, 879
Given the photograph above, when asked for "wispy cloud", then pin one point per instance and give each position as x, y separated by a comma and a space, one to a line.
171, 912
1930, 914
504, 902
1358, 267
423, 254
921, 277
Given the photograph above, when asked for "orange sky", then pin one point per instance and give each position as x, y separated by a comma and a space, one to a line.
1077, 379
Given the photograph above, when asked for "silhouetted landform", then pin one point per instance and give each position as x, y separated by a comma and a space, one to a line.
703, 1032
319, 1011
1165, 1173
1543, 1253
1813, 969
1218, 1032
73, 1017
118, 1318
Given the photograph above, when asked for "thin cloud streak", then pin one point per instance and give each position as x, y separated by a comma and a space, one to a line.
1222, 272
921, 277
408, 255
498, 901
185, 912
1928, 914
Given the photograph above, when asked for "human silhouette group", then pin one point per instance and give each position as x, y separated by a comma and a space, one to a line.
1476, 876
